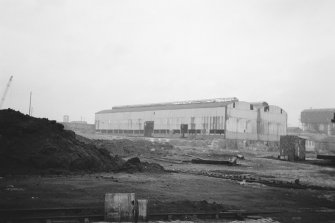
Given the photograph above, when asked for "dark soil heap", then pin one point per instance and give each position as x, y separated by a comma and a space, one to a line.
30, 144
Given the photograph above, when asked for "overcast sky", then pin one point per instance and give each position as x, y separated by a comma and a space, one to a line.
79, 57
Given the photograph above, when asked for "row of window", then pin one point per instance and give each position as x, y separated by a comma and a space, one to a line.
214, 122
266, 108
162, 131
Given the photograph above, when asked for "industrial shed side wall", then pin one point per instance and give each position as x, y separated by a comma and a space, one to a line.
273, 123
243, 121
203, 119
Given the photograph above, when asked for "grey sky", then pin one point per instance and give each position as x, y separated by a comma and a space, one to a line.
79, 57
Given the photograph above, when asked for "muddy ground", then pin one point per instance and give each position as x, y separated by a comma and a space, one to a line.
188, 183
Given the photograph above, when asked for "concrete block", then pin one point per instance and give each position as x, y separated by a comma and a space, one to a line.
142, 210
120, 207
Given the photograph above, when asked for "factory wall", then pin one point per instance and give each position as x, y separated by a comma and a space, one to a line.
242, 121
273, 123
200, 119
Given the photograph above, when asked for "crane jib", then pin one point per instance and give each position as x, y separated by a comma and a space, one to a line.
5, 93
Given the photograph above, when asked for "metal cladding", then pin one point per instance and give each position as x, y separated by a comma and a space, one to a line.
227, 117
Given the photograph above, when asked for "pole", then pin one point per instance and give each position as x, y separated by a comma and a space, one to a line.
30, 104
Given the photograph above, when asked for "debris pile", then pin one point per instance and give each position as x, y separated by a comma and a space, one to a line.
230, 162
30, 145
186, 206
135, 165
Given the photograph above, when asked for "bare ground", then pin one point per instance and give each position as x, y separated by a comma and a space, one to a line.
188, 183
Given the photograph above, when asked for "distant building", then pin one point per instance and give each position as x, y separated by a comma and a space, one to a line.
79, 122
224, 117
318, 121
318, 143
66, 118
293, 130
80, 127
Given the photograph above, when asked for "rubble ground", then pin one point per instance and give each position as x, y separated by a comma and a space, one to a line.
167, 193
184, 185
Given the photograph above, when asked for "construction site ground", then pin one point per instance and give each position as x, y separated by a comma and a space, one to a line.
185, 183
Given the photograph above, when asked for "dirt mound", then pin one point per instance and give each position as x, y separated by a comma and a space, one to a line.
30, 144
135, 165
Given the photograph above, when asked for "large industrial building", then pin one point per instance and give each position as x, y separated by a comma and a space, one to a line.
318, 121
225, 117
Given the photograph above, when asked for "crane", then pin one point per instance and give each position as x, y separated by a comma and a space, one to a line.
5, 93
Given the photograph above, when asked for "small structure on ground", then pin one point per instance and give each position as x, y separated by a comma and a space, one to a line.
292, 148
124, 207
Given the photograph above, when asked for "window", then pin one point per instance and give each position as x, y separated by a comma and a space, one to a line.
234, 105
192, 131
251, 107
176, 131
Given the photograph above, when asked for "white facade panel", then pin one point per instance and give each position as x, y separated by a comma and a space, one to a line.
273, 123
241, 121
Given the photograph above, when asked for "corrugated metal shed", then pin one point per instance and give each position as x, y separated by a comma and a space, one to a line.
292, 148
228, 117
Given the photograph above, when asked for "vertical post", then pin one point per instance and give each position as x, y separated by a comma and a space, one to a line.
30, 104
142, 210
225, 121
226, 117
259, 131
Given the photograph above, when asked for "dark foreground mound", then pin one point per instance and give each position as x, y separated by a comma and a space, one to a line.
30, 144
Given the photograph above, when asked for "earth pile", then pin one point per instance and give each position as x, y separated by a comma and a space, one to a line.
30, 144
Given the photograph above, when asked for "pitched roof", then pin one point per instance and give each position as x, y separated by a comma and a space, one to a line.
207, 103
317, 115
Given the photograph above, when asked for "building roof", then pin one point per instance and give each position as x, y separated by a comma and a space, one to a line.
317, 115
259, 104
206, 103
